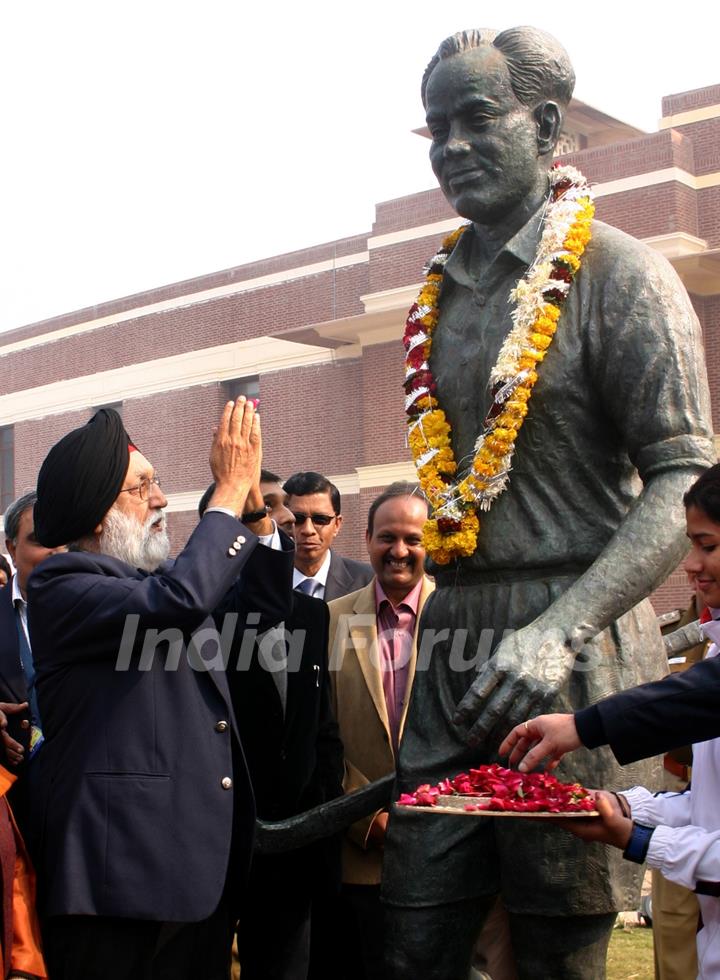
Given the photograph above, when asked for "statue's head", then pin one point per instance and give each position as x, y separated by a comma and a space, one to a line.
494, 105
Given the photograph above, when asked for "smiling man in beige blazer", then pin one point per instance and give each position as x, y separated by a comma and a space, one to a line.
373, 649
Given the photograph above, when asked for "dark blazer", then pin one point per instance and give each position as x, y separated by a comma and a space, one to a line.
146, 783
13, 687
656, 717
22, 797
295, 758
345, 575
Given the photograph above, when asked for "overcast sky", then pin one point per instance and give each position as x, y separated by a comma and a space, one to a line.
149, 142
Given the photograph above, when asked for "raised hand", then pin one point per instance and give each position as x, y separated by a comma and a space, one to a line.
236, 455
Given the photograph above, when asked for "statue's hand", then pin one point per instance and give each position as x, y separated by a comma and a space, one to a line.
519, 680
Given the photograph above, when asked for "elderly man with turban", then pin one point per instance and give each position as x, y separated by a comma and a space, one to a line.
148, 811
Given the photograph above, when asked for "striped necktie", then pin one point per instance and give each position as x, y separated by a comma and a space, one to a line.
307, 586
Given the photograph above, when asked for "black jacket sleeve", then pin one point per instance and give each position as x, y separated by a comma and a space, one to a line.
654, 718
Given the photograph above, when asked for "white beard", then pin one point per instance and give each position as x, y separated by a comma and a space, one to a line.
134, 543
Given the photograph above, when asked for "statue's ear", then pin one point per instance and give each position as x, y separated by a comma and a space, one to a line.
549, 124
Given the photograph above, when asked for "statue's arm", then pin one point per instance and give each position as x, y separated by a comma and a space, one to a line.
647, 546
531, 665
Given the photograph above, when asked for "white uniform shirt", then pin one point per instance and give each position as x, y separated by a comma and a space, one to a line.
685, 845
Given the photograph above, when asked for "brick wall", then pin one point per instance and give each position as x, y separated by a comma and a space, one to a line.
642, 155
686, 101
710, 320
314, 299
672, 594
423, 208
383, 420
649, 211
312, 418
401, 264
705, 136
182, 461
708, 206
350, 542
180, 527
34, 438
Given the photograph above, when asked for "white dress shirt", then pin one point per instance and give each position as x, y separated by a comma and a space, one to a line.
320, 577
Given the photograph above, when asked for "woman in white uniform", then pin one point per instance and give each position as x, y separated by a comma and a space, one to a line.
678, 833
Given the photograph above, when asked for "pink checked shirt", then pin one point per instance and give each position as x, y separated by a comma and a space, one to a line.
396, 626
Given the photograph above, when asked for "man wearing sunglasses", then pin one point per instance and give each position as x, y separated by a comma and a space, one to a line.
320, 572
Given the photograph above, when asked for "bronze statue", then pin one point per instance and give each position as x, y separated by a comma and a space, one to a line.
589, 524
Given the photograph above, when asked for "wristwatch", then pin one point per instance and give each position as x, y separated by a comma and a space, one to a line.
254, 516
637, 846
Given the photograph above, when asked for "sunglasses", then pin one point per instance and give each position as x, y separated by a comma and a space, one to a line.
318, 520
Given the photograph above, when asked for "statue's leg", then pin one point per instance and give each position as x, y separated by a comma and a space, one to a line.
436, 941
572, 947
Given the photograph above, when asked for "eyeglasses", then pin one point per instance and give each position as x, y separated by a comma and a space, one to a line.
143, 488
318, 520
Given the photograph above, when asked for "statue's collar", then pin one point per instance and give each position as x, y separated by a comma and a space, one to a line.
523, 245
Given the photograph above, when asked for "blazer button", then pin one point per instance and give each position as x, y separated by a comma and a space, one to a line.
222, 726
226, 782
232, 552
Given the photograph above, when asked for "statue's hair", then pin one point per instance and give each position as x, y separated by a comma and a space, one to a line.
538, 64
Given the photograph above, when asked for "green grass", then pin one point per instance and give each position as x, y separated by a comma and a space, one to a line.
630, 956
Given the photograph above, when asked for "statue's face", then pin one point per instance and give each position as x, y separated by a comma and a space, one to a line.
484, 141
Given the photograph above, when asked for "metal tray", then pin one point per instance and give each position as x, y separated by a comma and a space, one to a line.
455, 805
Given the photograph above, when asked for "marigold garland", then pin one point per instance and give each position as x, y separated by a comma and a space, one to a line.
455, 498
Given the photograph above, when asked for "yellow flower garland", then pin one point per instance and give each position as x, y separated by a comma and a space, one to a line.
453, 529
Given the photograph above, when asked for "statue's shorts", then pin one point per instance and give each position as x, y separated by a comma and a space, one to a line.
538, 869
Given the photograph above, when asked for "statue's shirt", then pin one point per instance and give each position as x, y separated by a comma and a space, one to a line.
622, 393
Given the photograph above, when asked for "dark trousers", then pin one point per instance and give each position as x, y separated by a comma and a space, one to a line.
85, 947
274, 927
348, 936
363, 931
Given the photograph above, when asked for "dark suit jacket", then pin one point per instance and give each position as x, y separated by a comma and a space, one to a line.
23, 796
656, 717
295, 758
345, 575
139, 810
13, 687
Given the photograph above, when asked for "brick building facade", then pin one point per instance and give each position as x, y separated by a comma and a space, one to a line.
317, 332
